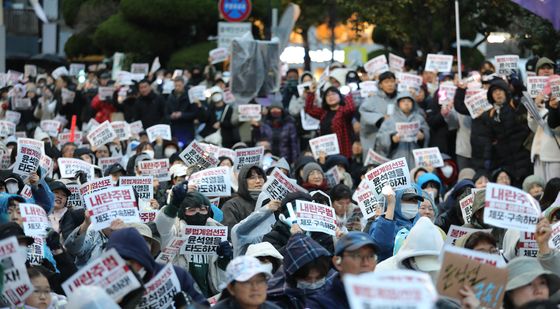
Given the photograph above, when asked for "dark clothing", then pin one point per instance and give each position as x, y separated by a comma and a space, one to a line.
280, 235
282, 135
333, 297
553, 118
150, 109
450, 211
70, 220
231, 303
75, 107
440, 135
66, 267
182, 127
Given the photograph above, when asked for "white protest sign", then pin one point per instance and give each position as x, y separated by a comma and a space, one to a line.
390, 289
510, 208
408, 130
101, 135
17, 286
309, 123
6, 160
323, 78
167, 254
7, 128
314, 217
64, 138
36, 251
375, 158
26, 192
30, 70
156, 65
75, 199
377, 65
213, 181
278, 185
12, 116
536, 84
248, 112
109, 271
495, 260
148, 215
159, 130
104, 163
75, 68
527, 244
204, 240
157, 168
161, 290
554, 83
302, 87
428, 157
122, 130
105, 93
505, 64
473, 80
218, 55
195, 154
326, 143
67, 96
394, 173
455, 232
140, 68
51, 127
21, 103
226, 152
109, 204
477, 104
35, 221
554, 241
229, 97
438, 63
136, 127
368, 88
446, 93
333, 176
196, 93
396, 63
209, 148
466, 204
369, 204
143, 186
227, 31
96, 185
29, 153
69, 166
407, 81
248, 156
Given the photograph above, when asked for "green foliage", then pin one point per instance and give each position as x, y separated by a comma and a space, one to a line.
70, 9
81, 44
194, 54
538, 36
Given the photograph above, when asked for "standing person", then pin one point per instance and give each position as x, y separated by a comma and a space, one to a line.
219, 129
335, 113
149, 106
181, 113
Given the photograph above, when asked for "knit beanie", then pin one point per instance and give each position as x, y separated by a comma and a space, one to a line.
309, 167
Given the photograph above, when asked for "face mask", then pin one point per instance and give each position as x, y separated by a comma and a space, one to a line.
409, 210
150, 153
447, 171
196, 219
12, 187
304, 285
276, 114
254, 194
217, 97
168, 152
268, 266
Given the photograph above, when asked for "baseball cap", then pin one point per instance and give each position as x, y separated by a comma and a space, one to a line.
243, 268
412, 192
57, 185
354, 241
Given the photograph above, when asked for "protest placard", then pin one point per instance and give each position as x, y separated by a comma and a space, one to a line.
26, 192
308, 123
140, 68
148, 215
536, 84
466, 204
5, 160
396, 63
196, 93
229, 97
203, 240
69, 166
96, 185
333, 176
278, 185
369, 203
455, 232
527, 244
218, 55
159, 130
136, 127
302, 87
75, 68
101, 135
438, 63
159, 169
30, 70
532, 109
64, 138
67, 96
248, 112
554, 83
377, 65
477, 104
408, 82
51, 127
226, 152
505, 64
29, 152
315, 217
35, 221
105, 93
394, 173
36, 251
161, 290
75, 199
248, 156
7, 128
21, 104
488, 282
104, 163
554, 241
12, 116
109, 271
446, 93
16, 284
495, 259
122, 130
195, 154
109, 204
368, 88
510, 208
327, 144
143, 186
213, 181
209, 148
390, 289
428, 157
375, 158
168, 253
323, 78
408, 131
473, 80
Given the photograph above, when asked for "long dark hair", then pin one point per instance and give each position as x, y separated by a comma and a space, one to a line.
324, 104
550, 193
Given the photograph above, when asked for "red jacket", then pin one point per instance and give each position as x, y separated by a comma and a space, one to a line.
103, 109
341, 122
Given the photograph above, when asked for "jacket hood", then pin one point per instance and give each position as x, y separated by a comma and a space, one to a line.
300, 250
243, 190
531, 180
427, 177
424, 239
337, 159
131, 245
4, 201
299, 164
509, 244
427, 196
462, 184
498, 83
398, 197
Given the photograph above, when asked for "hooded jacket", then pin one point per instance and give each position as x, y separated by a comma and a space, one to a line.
544, 145
372, 113
241, 206
282, 135
299, 251
384, 231
384, 143
130, 245
449, 209
478, 205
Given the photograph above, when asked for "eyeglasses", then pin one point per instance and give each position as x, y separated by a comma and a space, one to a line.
194, 210
368, 258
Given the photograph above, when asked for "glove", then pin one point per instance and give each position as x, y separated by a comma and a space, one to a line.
179, 192
81, 177
53, 240
225, 250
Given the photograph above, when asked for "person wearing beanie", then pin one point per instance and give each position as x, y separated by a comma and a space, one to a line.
388, 141
314, 178
193, 209
431, 184
501, 176
534, 185
376, 109
466, 173
335, 115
